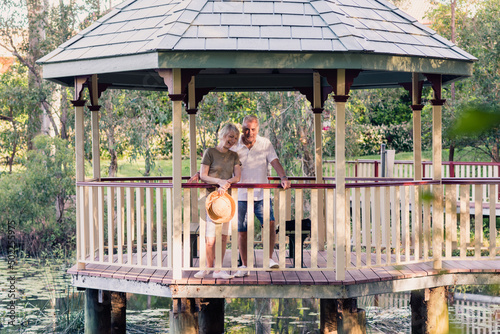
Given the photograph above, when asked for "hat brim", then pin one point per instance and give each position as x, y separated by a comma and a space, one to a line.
229, 214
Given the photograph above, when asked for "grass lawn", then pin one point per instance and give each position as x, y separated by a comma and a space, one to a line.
130, 168
466, 154
136, 167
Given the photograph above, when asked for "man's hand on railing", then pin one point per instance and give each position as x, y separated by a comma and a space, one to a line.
285, 183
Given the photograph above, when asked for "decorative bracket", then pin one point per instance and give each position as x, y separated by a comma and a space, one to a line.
437, 84
95, 89
79, 86
409, 87
331, 78
168, 79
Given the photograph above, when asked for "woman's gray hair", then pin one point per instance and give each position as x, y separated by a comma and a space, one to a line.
227, 128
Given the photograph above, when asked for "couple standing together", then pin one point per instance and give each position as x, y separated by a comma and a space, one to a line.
239, 159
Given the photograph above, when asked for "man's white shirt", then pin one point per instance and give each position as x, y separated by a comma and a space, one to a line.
254, 164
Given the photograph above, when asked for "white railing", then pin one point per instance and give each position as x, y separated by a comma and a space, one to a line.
124, 223
404, 169
129, 223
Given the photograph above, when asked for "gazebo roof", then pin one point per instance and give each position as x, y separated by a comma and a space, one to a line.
271, 44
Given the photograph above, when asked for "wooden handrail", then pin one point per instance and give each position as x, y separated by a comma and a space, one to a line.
368, 182
410, 162
123, 184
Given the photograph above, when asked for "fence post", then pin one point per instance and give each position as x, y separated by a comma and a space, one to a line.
376, 168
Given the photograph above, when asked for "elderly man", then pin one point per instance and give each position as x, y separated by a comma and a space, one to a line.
255, 153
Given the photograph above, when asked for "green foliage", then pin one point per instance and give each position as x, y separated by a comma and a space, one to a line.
477, 32
216, 109
476, 119
381, 106
40, 194
286, 119
369, 138
14, 106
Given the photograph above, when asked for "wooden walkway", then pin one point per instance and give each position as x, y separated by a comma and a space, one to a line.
294, 283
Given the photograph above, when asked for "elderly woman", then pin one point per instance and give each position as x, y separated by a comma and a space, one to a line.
222, 167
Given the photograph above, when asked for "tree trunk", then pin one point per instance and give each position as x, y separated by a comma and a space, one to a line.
113, 164
10, 159
60, 206
495, 151
36, 34
64, 113
451, 154
110, 134
308, 168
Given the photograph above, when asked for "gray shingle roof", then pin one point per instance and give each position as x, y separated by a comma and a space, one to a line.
366, 26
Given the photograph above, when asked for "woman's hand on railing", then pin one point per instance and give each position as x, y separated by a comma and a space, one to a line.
224, 185
195, 178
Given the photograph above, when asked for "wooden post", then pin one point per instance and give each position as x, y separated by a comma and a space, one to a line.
192, 110
318, 154
211, 316
96, 175
429, 311
416, 94
94, 108
173, 81
184, 317
176, 97
118, 312
437, 207
79, 104
97, 311
340, 243
339, 316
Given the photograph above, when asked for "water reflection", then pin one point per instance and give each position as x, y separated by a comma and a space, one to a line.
47, 303
263, 316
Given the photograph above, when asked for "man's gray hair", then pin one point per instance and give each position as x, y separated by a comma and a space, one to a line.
250, 118
227, 128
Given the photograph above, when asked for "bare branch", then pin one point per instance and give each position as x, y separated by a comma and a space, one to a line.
6, 118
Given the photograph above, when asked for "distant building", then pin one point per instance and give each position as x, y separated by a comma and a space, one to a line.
6, 60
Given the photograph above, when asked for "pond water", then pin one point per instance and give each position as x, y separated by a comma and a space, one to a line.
45, 302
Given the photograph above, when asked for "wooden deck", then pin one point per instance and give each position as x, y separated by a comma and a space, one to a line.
293, 283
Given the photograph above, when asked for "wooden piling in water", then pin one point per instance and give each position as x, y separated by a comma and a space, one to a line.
429, 311
118, 312
97, 311
211, 316
339, 316
184, 316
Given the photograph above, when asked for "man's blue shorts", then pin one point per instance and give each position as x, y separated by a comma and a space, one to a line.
258, 208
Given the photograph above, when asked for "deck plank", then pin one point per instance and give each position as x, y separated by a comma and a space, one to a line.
289, 277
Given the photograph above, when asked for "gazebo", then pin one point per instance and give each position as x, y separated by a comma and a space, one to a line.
187, 48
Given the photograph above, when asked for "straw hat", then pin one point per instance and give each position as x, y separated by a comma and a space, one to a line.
220, 208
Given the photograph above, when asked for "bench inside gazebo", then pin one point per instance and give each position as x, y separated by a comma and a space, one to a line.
368, 235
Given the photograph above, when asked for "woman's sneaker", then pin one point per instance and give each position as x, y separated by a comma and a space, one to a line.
241, 272
273, 264
201, 274
222, 274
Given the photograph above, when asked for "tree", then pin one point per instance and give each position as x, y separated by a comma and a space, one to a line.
39, 193
29, 30
477, 32
14, 107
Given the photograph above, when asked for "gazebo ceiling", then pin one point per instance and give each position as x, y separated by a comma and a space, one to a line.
255, 45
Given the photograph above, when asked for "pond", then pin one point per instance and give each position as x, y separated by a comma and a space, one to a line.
45, 302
